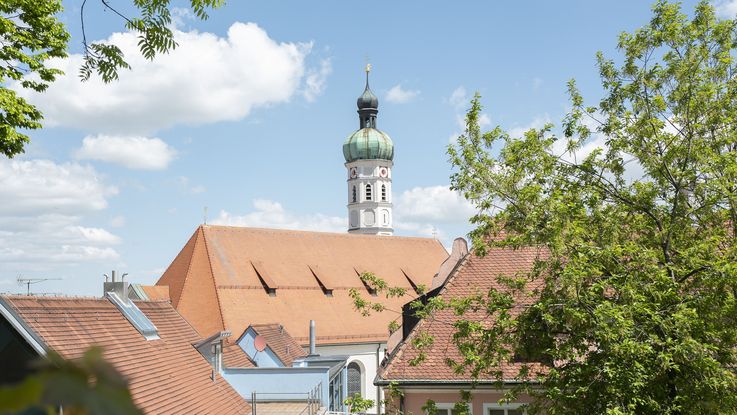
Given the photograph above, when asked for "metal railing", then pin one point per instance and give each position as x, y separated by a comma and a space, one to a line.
312, 399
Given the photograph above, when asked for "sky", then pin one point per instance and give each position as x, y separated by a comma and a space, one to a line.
243, 123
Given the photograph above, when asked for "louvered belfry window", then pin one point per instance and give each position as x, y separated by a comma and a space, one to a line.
354, 379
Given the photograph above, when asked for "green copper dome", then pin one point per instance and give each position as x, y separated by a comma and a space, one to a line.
366, 144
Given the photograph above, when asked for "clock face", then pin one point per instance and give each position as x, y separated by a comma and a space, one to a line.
383, 172
354, 173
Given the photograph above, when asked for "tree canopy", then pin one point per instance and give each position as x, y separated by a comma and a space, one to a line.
635, 200
32, 34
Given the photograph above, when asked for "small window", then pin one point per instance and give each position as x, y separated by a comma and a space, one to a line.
508, 409
368, 191
446, 409
383, 193
354, 379
354, 194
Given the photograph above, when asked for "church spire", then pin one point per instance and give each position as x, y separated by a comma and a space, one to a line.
368, 105
368, 157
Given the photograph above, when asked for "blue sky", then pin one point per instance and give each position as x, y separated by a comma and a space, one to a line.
248, 116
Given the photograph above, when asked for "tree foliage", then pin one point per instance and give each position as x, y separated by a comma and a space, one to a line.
88, 385
636, 204
32, 34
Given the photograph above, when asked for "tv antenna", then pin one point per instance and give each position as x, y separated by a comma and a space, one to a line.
29, 281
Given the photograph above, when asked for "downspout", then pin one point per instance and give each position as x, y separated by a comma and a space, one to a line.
378, 388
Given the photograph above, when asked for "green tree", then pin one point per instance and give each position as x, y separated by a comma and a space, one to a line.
32, 34
637, 310
88, 385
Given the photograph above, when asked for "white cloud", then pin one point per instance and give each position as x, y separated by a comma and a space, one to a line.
537, 123
316, 79
459, 98
41, 224
133, 152
42, 186
206, 79
433, 204
270, 214
117, 222
186, 185
726, 8
399, 95
460, 101
432, 211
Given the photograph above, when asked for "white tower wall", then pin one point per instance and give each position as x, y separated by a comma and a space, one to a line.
371, 211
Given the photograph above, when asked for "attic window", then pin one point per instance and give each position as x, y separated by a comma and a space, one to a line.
371, 290
264, 278
327, 291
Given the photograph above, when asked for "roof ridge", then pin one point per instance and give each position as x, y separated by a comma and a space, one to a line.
304, 231
189, 263
212, 278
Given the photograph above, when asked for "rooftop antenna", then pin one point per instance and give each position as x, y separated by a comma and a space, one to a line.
434, 232
29, 281
204, 216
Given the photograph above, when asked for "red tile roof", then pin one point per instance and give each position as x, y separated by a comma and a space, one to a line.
166, 376
235, 357
222, 277
280, 342
473, 275
156, 292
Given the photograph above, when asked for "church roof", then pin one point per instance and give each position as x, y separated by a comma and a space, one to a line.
227, 278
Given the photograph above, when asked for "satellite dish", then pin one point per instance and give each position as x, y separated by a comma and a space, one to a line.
259, 343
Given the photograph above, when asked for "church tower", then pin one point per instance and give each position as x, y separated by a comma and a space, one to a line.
368, 156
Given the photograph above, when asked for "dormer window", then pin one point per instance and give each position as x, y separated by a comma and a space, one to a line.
383, 193
368, 191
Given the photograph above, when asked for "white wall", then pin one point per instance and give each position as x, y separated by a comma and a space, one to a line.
365, 354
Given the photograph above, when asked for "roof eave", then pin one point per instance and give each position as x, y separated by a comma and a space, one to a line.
17, 322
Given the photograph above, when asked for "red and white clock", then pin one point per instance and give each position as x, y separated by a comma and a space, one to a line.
383, 171
354, 172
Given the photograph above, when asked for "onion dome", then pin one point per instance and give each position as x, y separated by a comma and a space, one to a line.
368, 142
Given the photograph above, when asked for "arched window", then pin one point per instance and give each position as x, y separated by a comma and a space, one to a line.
368, 191
354, 194
354, 379
383, 193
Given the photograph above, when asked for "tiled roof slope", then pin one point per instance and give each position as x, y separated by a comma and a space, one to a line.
219, 280
166, 376
473, 275
286, 348
235, 357
156, 292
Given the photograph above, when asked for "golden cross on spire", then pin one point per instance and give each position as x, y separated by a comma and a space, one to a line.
368, 67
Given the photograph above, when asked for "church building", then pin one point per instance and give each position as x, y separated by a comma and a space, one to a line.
230, 278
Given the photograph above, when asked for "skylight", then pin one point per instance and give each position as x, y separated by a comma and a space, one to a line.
135, 316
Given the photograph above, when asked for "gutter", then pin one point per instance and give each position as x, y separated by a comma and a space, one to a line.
459, 383
15, 320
